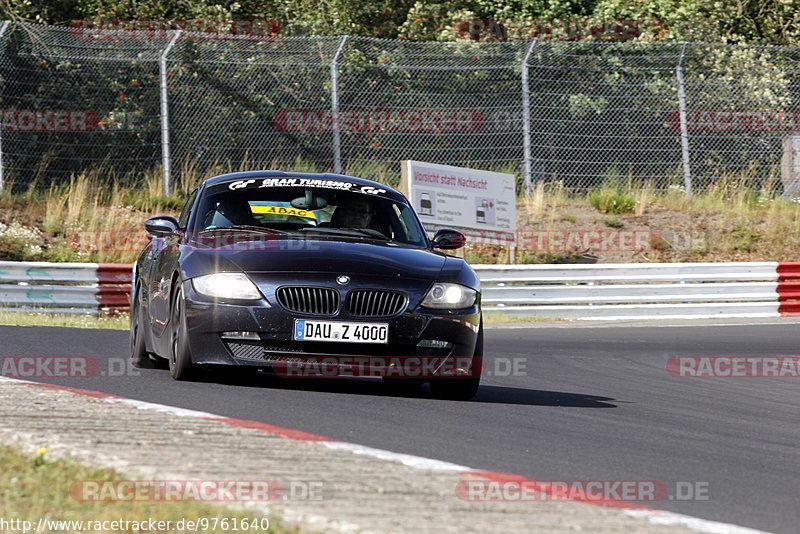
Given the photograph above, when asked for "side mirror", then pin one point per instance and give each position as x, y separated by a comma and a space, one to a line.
161, 226
446, 239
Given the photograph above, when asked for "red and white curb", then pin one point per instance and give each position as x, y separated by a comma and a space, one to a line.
652, 516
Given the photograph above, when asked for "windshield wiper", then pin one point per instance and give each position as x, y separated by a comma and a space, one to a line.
351, 232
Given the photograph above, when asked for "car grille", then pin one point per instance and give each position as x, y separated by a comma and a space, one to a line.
375, 303
311, 300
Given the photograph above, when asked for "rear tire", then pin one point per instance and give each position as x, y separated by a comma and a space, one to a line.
140, 358
180, 358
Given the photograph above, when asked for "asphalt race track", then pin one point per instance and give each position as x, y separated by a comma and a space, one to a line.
587, 404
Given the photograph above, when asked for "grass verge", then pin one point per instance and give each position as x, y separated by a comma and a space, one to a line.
108, 322
494, 318
32, 486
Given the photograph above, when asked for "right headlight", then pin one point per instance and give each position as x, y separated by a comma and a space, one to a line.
226, 286
444, 296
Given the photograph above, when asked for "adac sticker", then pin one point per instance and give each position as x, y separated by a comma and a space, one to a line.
282, 210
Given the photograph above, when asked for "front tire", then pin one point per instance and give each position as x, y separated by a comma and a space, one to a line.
462, 388
180, 357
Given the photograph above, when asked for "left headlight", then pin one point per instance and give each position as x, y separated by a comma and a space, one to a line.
226, 286
449, 297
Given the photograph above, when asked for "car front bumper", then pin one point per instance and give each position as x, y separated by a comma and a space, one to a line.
215, 331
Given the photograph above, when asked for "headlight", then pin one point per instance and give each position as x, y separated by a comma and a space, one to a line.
226, 286
449, 297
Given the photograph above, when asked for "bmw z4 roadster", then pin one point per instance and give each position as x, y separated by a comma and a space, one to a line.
306, 275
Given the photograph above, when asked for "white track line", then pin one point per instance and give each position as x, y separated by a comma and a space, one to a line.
654, 517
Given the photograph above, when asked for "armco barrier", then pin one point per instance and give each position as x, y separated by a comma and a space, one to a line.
642, 291
86, 288
581, 291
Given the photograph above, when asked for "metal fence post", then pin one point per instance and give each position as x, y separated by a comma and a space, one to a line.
687, 172
526, 121
166, 162
3, 29
337, 132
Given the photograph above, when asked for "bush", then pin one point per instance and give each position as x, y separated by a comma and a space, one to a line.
744, 237
612, 200
19, 243
60, 252
486, 254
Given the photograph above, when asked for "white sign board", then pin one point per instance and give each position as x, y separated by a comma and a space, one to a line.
790, 162
480, 203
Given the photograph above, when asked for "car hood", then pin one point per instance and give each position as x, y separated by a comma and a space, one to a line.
314, 256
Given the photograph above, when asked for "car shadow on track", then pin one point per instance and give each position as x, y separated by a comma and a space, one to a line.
537, 397
488, 394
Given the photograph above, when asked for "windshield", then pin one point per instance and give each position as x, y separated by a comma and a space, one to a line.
310, 212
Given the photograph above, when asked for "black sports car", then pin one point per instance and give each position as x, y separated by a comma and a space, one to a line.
306, 275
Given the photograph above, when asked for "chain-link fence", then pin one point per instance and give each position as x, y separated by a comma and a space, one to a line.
188, 105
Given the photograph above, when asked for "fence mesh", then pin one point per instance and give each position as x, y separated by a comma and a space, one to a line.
72, 100
77, 99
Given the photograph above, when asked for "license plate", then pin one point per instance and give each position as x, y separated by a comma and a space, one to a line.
307, 330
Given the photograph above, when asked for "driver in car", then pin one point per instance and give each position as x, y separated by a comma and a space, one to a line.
355, 213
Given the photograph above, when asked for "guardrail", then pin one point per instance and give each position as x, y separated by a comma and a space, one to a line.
86, 288
574, 291
642, 291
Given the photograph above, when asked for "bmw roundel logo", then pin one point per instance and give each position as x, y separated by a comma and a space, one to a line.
342, 280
